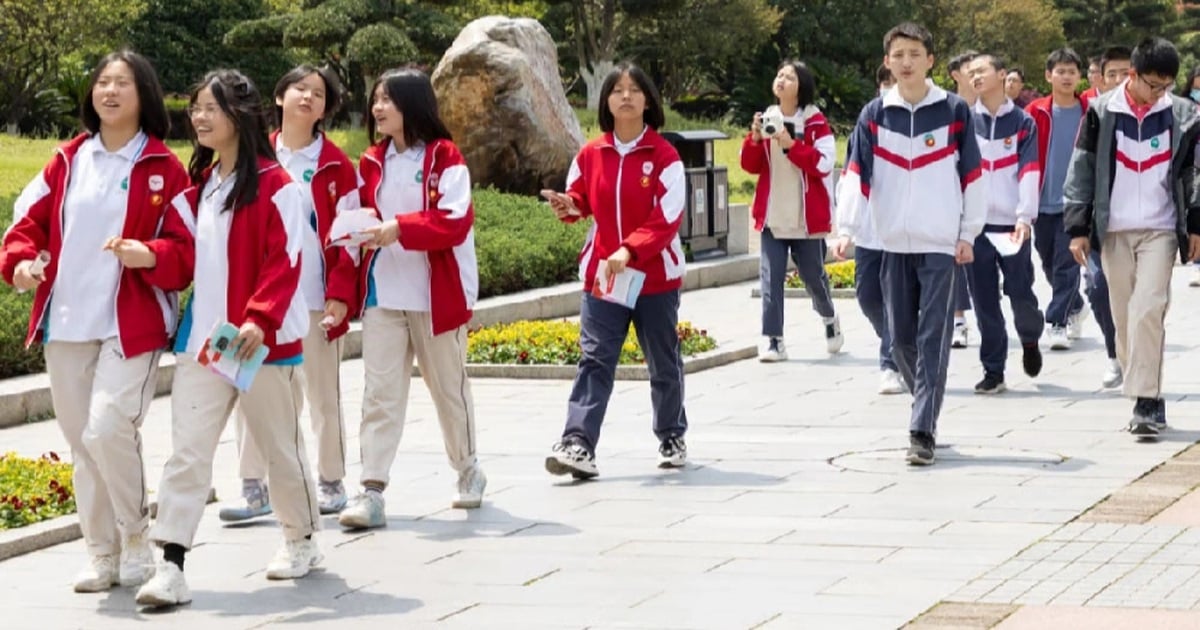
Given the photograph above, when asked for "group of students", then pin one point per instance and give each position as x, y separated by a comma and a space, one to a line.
115, 227
939, 185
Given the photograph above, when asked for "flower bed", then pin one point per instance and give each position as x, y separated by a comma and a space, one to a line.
557, 343
841, 276
33, 490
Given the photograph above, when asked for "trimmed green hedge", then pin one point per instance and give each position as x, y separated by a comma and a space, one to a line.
519, 242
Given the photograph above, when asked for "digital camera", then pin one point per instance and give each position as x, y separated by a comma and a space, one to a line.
771, 123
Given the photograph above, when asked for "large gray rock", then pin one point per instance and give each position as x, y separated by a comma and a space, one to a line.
500, 94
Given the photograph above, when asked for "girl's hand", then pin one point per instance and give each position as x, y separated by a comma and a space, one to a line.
561, 203
24, 279
756, 127
618, 261
784, 139
248, 340
335, 312
132, 253
382, 235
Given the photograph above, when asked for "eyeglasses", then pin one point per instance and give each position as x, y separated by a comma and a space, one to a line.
208, 110
1155, 88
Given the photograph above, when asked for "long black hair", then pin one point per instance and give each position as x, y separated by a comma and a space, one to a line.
241, 102
411, 93
333, 92
152, 112
653, 116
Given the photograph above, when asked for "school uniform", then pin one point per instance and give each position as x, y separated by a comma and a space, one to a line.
103, 326
246, 269
328, 182
417, 300
635, 192
792, 208
1008, 147
921, 163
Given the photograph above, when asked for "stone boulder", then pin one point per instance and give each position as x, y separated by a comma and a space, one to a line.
500, 95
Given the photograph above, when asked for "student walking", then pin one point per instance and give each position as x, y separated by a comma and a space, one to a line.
421, 281
101, 308
1127, 195
915, 176
630, 181
792, 203
1007, 139
249, 225
305, 98
957, 68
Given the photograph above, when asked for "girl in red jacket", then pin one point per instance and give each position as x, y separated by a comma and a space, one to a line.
630, 181
249, 226
421, 282
794, 162
304, 98
104, 306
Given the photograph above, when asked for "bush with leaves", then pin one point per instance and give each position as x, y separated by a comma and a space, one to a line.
557, 343
841, 276
521, 245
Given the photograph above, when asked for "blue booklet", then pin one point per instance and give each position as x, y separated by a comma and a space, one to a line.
218, 354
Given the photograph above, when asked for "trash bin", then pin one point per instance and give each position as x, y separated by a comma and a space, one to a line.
705, 227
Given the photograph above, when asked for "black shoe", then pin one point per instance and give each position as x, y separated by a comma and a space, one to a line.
1031, 359
920, 449
571, 457
1145, 424
992, 383
1160, 414
672, 453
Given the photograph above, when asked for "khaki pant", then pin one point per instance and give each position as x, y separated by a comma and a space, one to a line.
100, 399
1138, 266
391, 339
322, 386
200, 406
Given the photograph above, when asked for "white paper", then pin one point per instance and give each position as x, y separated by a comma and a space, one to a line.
623, 288
1003, 242
348, 226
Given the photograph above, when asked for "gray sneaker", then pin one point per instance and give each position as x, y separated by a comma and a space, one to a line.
331, 496
257, 503
363, 512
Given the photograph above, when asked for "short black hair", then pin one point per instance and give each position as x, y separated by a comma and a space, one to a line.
1114, 53
1020, 72
996, 61
333, 92
806, 88
1186, 89
411, 92
908, 30
883, 75
961, 59
1155, 55
1095, 60
654, 116
152, 111
1064, 56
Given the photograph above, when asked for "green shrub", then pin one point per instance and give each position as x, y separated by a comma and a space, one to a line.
33, 490
841, 276
15, 360
521, 245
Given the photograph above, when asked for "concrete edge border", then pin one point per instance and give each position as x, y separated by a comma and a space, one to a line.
23, 540
700, 362
803, 293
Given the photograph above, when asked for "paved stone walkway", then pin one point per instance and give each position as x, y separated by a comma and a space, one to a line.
797, 511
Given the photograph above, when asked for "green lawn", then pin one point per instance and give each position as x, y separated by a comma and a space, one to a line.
22, 158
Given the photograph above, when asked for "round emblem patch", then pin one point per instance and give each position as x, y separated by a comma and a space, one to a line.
156, 199
645, 182
125, 184
419, 177
1008, 142
929, 141
1154, 143
308, 175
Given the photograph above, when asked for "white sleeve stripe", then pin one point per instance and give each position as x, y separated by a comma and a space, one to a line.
34, 192
289, 203
828, 148
454, 191
184, 210
673, 200
573, 173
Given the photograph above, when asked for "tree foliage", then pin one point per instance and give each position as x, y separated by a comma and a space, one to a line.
1021, 31
1092, 25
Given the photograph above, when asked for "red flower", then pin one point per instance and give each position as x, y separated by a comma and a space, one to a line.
53, 484
523, 357
53, 456
16, 503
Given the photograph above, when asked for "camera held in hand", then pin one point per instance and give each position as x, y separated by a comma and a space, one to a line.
771, 122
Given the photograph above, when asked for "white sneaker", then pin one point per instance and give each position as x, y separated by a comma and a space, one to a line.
100, 574
1075, 324
1195, 281
471, 483
959, 338
1059, 338
1113, 376
890, 382
772, 350
833, 335
137, 560
364, 511
165, 588
294, 560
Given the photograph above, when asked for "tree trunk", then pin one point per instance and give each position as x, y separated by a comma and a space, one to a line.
593, 79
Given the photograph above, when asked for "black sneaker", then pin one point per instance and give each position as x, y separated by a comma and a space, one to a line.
1145, 425
571, 457
1160, 414
1031, 359
672, 453
992, 383
920, 449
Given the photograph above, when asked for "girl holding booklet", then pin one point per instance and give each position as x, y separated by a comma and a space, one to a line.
305, 97
631, 182
420, 280
249, 223
102, 307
